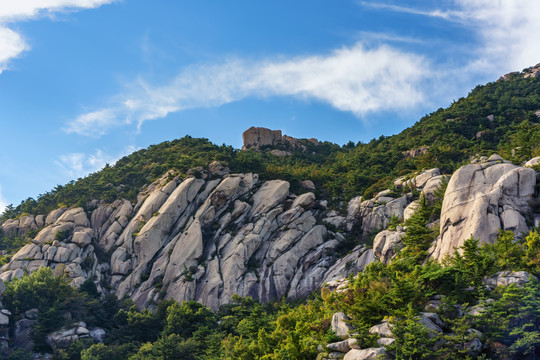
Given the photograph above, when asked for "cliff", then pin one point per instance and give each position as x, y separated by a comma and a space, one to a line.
207, 238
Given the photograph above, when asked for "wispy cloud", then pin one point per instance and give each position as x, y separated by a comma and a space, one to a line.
76, 165
12, 43
353, 79
368, 36
506, 31
357, 79
94, 123
444, 14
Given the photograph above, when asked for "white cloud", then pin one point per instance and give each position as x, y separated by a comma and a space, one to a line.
506, 31
94, 123
3, 201
353, 79
448, 15
76, 165
24, 9
369, 36
11, 43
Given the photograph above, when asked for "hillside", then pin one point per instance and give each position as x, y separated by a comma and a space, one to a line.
95, 268
497, 117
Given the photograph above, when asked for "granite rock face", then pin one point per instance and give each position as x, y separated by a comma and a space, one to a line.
215, 234
255, 137
482, 198
386, 244
204, 238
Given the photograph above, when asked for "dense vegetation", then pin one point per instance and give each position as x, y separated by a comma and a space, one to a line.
340, 172
247, 329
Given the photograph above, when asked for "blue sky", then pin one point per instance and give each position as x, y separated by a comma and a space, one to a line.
84, 82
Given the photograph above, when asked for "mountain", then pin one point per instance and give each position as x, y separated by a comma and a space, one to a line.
188, 220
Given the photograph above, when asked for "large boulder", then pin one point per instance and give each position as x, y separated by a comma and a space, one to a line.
384, 329
269, 195
340, 325
481, 199
422, 179
386, 244
344, 345
433, 329
375, 214
353, 263
365, 354
534, 161
505, 278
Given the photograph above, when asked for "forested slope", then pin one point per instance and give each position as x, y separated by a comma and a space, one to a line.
374, 260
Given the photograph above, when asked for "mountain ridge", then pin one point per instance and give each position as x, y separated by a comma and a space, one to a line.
188, 220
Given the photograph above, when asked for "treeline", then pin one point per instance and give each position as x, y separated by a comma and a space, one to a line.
498, 117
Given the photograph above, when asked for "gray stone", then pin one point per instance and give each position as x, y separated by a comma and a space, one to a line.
365, 354
305, 200
411, 209
62, 338
354, 209
434, 318
505, 278
534, 161
216, 168
495, 157
308, 184
384, 342
420, 180
54, 215
31, 314
341, 346
474, 194
83, 237
4, 320
431, 186
81, 331
98, 334
23, 334
433, 328
383, 329
386, 244
269, 195
340, 325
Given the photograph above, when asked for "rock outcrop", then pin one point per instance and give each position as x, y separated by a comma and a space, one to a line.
386, 244
482, 198
505, 278
215, 234
255, 137
533, 72
415, 152
204, 238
